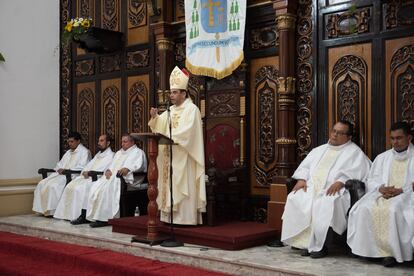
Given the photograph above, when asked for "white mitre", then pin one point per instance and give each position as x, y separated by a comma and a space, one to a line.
179, 79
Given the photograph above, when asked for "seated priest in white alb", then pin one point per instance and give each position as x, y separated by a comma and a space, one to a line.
50, 189
319, 201
189, 190
104, 196
72, 206
381, 224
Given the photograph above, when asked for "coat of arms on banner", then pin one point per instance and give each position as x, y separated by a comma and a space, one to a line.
215, 36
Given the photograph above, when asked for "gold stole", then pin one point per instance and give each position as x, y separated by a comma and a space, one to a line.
175, 120
380, 211
70, 189
117, 165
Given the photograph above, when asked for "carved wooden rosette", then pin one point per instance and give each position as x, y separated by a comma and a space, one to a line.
348, 23
286, 105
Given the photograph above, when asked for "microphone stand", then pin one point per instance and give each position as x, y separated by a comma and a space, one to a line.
172, 242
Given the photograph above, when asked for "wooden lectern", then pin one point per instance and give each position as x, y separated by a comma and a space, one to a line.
153, 140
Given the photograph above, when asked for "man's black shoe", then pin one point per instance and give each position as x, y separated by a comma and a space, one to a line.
304, 252
389, 262
98, 223
80, 220
319, 254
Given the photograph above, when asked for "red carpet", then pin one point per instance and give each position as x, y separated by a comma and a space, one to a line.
23, 255
234, 235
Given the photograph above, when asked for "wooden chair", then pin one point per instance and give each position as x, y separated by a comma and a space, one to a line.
130, 198
68, 173
226, 196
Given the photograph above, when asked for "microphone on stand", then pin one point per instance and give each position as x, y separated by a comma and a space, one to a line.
172, 242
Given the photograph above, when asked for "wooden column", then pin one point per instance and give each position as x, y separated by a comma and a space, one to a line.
286, 105
165, 48
286, 112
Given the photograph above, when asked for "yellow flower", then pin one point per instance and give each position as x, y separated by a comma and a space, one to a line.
69, 27
86, 23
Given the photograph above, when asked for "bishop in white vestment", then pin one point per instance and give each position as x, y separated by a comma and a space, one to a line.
49, 190
75, 196
189, 191
103, 199
319, 199
381, 224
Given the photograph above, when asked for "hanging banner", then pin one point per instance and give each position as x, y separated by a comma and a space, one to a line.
214, 36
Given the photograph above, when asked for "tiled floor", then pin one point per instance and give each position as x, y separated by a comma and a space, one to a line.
261, 260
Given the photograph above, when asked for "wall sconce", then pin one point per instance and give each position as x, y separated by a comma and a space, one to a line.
152, 6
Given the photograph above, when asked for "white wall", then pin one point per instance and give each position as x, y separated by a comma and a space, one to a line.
29, 87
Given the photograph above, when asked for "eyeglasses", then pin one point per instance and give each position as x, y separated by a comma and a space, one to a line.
339, 133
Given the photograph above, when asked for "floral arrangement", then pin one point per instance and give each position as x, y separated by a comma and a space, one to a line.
75, 28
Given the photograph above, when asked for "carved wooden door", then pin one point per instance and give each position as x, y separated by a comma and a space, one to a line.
107, 93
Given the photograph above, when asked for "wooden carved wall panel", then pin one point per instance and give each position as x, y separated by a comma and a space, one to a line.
138, 105
137, 31
195, 87
223, 103
179, 10
110, 64
400, 81
137, 59
110, 15
349, 92
180, 52
348, 23
111, 110
405, 84
263, 104
265, 37
86, 9
86, 114
85, 68
398, 13
66, 78
305, 78
137, 15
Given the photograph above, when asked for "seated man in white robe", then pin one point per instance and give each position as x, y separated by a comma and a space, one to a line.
72, 206
381, 224
319, 200
50, 189
103, 200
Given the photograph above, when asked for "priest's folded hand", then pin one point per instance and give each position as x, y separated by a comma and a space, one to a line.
108, 174
60, 171
153, 112
301, 184
123, 171
85, 174
335, 188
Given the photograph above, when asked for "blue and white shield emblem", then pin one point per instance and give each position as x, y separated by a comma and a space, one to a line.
214, 16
